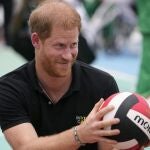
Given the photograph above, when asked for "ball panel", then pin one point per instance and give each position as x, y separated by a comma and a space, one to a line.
142, 122
106, 102
142, 106
122, 102
116, 101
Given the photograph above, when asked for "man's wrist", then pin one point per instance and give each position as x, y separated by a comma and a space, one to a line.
76, 136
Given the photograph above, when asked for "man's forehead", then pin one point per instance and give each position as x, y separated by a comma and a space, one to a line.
60, 32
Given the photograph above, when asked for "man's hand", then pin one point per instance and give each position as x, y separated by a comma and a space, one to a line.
92, 129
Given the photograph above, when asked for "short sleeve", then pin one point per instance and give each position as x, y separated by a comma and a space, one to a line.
12, 106
111, 88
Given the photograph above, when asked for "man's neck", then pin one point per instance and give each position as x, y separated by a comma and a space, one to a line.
54, 87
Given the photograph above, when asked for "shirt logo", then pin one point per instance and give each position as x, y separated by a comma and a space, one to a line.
80, 119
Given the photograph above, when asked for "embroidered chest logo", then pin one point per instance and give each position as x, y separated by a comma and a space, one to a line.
80, 119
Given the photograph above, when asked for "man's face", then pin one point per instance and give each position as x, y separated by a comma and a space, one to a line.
58, 52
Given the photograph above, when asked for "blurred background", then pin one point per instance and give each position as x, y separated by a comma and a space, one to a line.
110, 39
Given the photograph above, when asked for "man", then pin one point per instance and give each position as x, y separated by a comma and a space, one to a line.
53, 102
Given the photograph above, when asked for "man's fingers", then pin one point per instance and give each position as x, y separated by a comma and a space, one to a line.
109, 141
107, 123
109, 132
98, 104
104, 111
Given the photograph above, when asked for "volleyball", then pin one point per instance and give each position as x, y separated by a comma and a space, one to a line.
134, 113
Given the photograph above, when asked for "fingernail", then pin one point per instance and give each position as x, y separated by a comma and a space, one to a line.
117, 119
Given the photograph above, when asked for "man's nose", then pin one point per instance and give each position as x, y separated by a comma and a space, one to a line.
67, 54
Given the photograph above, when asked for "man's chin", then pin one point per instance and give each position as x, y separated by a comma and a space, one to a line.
63, 73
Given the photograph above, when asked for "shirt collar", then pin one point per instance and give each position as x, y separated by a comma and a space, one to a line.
75, 84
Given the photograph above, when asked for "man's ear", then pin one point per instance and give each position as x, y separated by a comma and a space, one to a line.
35, 40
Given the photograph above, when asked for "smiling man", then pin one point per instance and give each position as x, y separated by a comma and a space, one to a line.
53, 102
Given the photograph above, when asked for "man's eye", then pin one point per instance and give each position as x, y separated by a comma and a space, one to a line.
74, 45
59, 46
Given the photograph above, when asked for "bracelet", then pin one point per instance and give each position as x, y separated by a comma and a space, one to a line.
76, 137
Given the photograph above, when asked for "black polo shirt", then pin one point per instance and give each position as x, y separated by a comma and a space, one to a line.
22, 99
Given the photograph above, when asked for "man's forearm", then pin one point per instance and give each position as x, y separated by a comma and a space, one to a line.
62, 141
